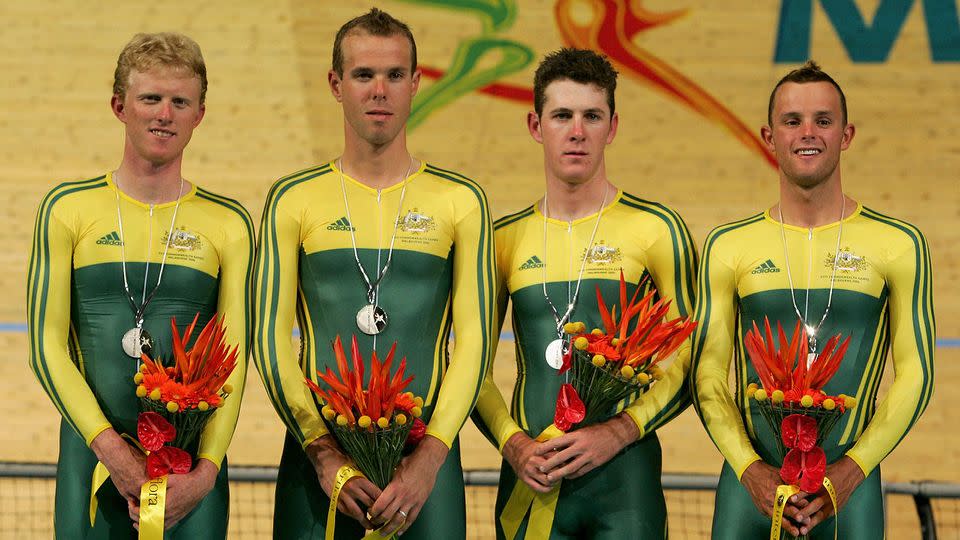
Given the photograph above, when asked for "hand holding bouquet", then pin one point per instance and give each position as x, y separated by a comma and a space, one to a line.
373, 421
794, 405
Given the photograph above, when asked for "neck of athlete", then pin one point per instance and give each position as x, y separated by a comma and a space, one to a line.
814, 206
150, 183
569, 201
376, 166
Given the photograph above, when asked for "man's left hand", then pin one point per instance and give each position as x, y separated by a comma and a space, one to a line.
845, 475
585, 449
184, 493
400, 503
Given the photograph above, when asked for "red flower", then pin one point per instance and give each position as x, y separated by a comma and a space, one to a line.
805, 469
417, 431
570, 408
166, 460
799, 431
405, 403
153, 430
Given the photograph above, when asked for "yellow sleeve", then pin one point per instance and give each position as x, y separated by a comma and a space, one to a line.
672, 263
493, 417
48, 323
712, 349
275, 300
474, 286
912, 333
233, 304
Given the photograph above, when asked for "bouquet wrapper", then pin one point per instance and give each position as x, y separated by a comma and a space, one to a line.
542, 506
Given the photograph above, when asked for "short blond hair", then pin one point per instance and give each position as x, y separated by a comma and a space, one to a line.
163, 49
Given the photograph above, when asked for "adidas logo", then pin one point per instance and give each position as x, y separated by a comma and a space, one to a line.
532, 262
341, 224
766, 268
112, 239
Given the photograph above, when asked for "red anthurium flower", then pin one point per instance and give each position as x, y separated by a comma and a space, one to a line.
799, 431
154, 430
417, 432
567, 361
570, 408
805, 469
168, 460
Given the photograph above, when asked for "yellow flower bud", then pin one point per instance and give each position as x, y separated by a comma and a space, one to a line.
777, 396
615, 341
829, 404
228, 388
141, 391
849, 402
626, 372
401, 419
597, 332
143, 368
656, 372
342, 420
138, 378
760, 395
418, 401
172, 406
155, 394
328, 413
581, 343
806, 400
364, 421
581, 327
383, 423
571, 327
751, 390
409, 395
203, 406
643, 378
599, 360
416, 412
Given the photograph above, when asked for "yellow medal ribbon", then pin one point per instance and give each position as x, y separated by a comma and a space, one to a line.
542, 506
153, 501
784, 492
344, 474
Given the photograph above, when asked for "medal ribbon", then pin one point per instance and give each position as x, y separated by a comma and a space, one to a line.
541, 506
784, 492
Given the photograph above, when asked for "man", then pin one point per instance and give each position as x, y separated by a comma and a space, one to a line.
841, 268
117, 256
553, 255
383, 246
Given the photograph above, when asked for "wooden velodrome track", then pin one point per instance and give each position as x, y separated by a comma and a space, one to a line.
269, 113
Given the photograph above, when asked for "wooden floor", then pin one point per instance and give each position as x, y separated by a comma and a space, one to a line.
269, 112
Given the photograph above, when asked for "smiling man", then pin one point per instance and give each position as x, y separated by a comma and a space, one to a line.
114, 258
839, 267
551, 257
381, 245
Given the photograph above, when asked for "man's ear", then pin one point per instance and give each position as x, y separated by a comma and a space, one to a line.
335, 85
533, 126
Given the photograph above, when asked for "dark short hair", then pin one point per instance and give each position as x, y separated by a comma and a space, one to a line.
579, 65
807, 73
375, 22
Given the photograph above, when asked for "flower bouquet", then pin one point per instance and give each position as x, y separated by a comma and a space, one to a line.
375, 423
792, 402
188, 392
609, 364
177, 401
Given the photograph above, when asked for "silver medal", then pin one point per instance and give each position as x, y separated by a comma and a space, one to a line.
371, 319
136, 341
554, 353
